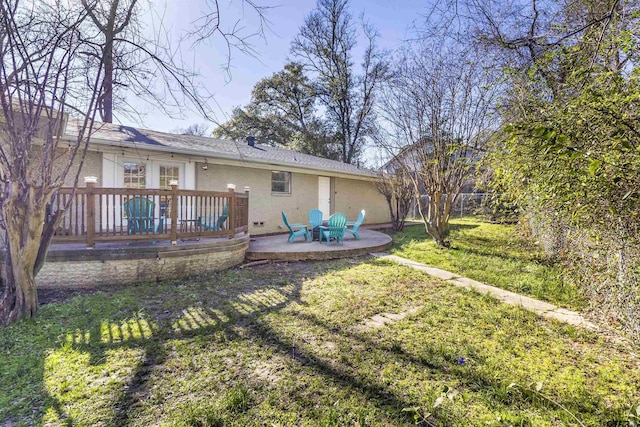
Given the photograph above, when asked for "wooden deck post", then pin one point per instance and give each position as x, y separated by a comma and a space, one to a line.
246, 192
174, 212
232, 210
91, 181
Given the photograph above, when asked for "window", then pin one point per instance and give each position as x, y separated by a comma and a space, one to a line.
135, 175
168, 173
281, 182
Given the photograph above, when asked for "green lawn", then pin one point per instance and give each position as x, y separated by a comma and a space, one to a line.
495, 254
284, 345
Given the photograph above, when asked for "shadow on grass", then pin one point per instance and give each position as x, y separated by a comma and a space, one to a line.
433, 360
144, 317
456, 226
139, 317
483, 246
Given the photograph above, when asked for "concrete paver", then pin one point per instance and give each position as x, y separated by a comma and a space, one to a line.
541, 308
431, 271
382, 319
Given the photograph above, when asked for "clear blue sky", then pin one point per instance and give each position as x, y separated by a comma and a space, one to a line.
392, 19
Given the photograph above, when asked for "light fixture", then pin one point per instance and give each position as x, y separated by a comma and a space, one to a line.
205, 166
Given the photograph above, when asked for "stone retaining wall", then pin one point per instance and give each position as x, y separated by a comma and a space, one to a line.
82, 268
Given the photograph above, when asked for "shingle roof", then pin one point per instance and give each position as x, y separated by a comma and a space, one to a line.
126, 136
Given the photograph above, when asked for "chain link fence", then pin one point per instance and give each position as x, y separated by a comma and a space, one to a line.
466, 204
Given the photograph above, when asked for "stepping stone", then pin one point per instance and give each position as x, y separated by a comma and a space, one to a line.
380, 320
431, 271
394, 317
570, 317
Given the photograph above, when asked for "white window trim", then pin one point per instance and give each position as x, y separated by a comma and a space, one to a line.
280, 193
113, 170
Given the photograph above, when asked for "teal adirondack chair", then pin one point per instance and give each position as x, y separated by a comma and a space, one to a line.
355, 225
335, 228
315, 218
296, 230
214, 222
139, 212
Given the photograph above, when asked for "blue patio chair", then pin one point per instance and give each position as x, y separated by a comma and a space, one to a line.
355, 225
335, 228
315, 218
139, 212
296, 230
214, 222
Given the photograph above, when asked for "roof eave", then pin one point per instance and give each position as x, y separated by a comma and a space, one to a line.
201, 153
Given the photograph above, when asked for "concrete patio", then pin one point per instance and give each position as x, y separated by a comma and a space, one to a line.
276, 247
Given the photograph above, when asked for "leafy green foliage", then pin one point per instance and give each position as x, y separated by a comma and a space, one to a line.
283, 112
580, 156
571, 152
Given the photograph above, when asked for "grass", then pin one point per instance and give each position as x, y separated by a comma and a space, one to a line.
495, 254
285, 345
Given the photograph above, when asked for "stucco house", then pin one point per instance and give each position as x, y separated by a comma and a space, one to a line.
278, 179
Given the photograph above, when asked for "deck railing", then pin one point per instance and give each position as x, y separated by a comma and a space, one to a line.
117, 214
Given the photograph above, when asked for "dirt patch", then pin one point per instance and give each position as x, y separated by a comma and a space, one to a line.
286, 266
282, 268
52, 295
49, 296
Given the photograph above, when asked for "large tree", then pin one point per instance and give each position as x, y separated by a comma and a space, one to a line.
41, 50
115, 21
283, 111
325, 45
570, 154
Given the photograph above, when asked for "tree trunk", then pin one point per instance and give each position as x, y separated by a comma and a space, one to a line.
20, 297
24, 237
106, 98
436, 220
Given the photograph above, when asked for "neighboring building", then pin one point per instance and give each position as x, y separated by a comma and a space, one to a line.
279, 179
412, 156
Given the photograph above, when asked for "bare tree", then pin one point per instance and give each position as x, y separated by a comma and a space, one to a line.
149, 65
325, 46
114, 20
40, 48
437, 111
196, 129
235, 35
46, 73
399, 192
